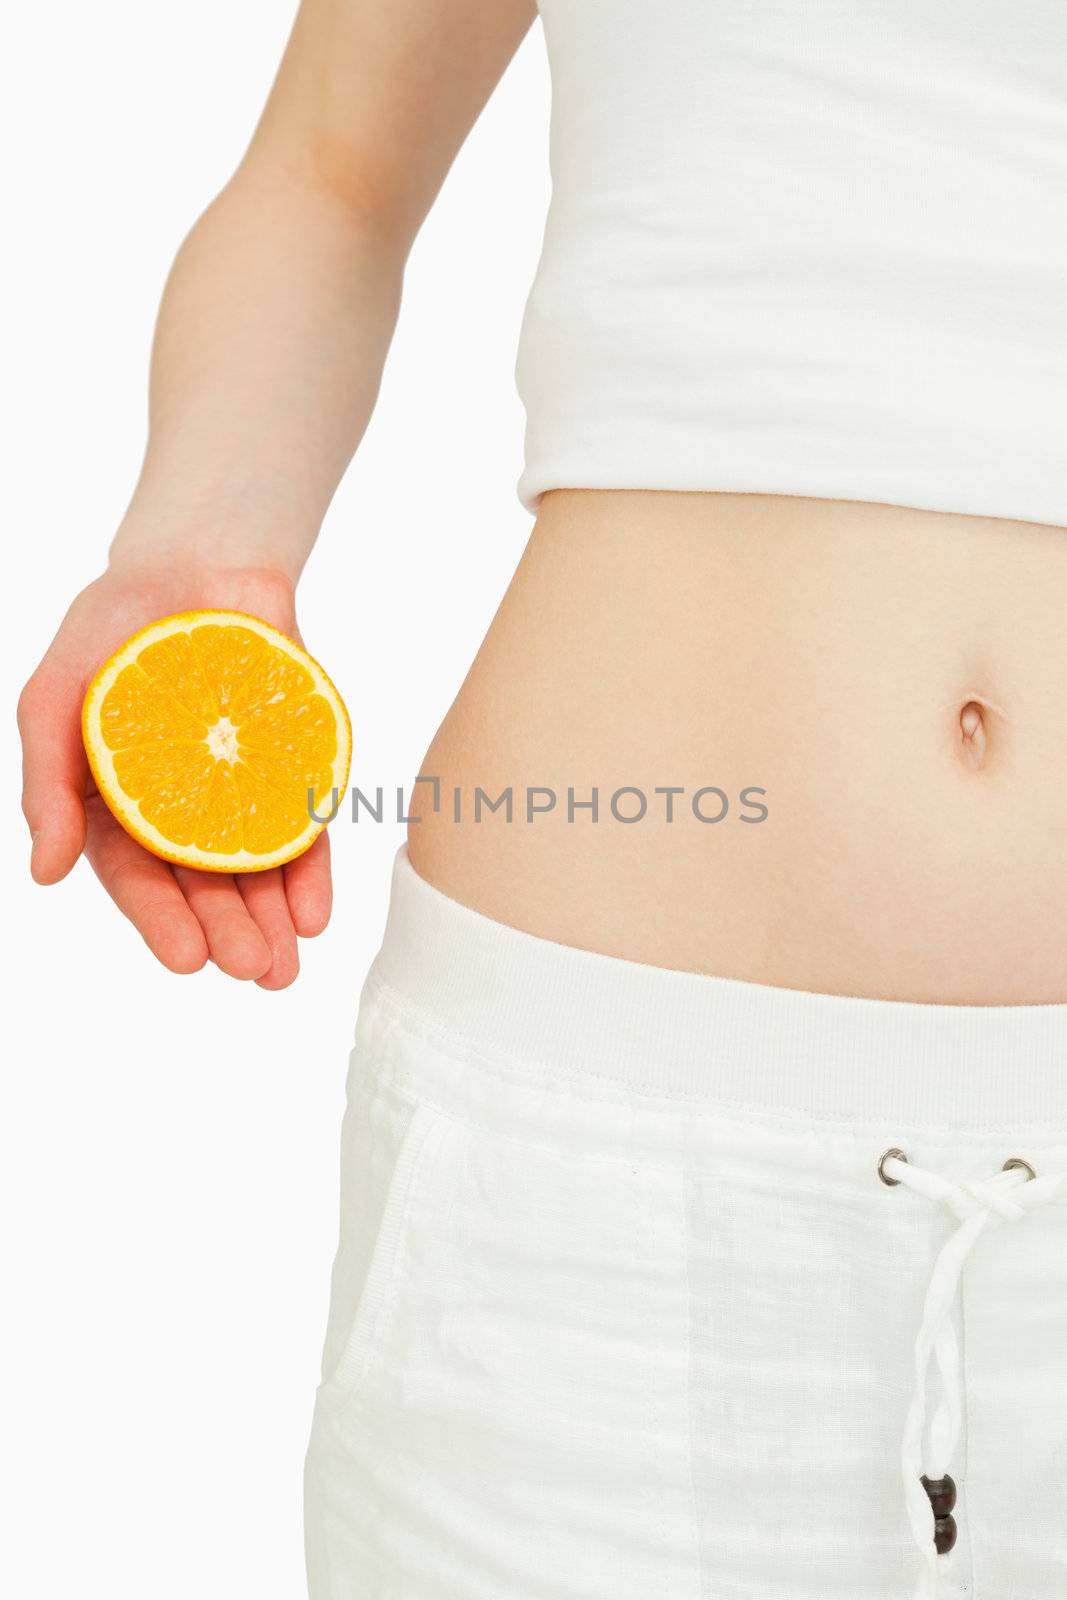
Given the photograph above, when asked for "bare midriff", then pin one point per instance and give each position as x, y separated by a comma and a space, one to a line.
827, 742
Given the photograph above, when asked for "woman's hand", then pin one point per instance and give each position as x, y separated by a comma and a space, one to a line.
247, 925
267, 358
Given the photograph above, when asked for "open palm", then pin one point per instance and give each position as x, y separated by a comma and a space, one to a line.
247, 925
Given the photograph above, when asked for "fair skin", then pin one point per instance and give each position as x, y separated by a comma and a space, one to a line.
268, 352
892, 677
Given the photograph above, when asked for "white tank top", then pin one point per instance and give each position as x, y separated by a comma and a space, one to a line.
811, 248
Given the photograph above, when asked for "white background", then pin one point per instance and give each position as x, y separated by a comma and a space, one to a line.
168, 1146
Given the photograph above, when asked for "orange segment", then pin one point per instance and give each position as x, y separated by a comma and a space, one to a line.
176, 668
212, 737
274, 684
267, 811
174, 807
138, 711
150, 766
221, 827
227, 655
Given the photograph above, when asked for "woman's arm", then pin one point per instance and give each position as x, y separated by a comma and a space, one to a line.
282, 301
268, 353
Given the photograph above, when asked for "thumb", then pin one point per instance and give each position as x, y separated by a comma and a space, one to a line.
55, 770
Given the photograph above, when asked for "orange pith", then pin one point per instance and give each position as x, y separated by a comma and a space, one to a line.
206, 732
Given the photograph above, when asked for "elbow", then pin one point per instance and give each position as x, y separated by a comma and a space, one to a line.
330, 173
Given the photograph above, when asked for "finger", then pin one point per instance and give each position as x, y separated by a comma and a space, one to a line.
55, 771
234, 942
264, 896
309, 888
145, 891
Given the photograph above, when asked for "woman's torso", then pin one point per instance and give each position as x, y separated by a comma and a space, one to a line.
804, 266
828, 653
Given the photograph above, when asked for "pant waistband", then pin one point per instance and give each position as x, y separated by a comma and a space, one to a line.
657, 1032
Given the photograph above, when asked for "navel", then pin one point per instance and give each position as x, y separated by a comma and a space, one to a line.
974, 732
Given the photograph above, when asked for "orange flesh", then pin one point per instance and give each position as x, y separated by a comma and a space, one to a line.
218, 737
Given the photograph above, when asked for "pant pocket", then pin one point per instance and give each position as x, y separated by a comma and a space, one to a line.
518, 1423
390, 1151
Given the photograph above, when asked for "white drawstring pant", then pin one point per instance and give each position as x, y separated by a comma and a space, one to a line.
653, 1286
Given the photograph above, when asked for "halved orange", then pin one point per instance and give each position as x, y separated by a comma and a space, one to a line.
217, 741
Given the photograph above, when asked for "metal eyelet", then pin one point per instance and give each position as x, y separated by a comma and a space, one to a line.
1018, 1164
886, 1179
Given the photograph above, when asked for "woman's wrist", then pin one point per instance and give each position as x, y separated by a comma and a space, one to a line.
226, 530
188, 577
208, 548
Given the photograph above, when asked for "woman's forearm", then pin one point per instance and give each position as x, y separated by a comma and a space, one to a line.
268, 353
282, 301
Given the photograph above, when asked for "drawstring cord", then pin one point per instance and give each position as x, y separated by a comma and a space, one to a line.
979, 1204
